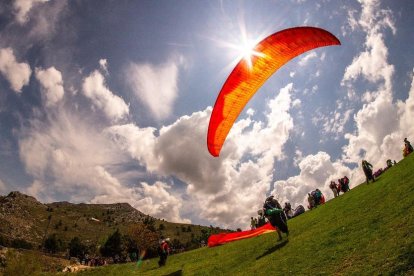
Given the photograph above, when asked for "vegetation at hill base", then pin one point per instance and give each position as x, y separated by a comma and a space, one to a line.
367, 231
102, 231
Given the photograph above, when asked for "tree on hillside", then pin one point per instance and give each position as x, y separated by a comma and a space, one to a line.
49, 219
149, 223
115, 247
77, 248
176, 245
205, 234
144, 238
161, 227
53, 244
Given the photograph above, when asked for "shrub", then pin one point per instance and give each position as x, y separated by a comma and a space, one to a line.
4, 241
21, 243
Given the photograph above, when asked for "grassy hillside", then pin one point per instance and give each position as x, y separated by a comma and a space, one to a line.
368, 231
29, 262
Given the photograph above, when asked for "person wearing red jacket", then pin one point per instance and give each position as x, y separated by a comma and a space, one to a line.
163, 251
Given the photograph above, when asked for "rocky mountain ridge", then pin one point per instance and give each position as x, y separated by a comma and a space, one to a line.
26, 220
24, 217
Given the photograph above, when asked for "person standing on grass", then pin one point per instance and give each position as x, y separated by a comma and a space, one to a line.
253, 223
288, 210
367, 168
277, 218
163, 251
311, 201
334, 188
345, 180
407, 147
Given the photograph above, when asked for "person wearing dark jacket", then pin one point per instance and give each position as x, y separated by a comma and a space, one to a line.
288, 210
277, 218
367, 168
345, 181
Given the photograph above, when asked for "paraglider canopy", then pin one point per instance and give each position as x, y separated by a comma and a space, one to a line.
250, 74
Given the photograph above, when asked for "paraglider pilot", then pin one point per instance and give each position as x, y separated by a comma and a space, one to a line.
274, 213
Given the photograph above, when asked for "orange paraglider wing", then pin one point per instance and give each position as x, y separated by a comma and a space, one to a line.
243, 82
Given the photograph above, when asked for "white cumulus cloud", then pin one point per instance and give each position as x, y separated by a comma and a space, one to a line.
316, 171
95, 88
377, 121
18, 74
68, 153
23, 7
103, 64
153, 199
406, 109
222, 182
303, 61
162, 203
51, 85
156, 86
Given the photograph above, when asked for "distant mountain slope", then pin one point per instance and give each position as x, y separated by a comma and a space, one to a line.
23, 217
368, 231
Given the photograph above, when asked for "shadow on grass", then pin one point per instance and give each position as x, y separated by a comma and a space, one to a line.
273, 249
175, 273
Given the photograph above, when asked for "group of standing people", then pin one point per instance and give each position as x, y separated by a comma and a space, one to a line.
367, 167
278, 217
272, 210
257, 222
315, 198
341, 186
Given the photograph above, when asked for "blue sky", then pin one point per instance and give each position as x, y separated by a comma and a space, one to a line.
109, 101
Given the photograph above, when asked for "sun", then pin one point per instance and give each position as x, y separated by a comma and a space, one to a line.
242, 47
246, 51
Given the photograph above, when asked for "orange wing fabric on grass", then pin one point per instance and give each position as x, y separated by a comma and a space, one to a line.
223, 238
243, 82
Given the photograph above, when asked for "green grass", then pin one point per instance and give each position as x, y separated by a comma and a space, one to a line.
368, 231
30, 262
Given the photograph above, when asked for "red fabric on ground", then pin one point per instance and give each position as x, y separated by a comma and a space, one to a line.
223, 238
